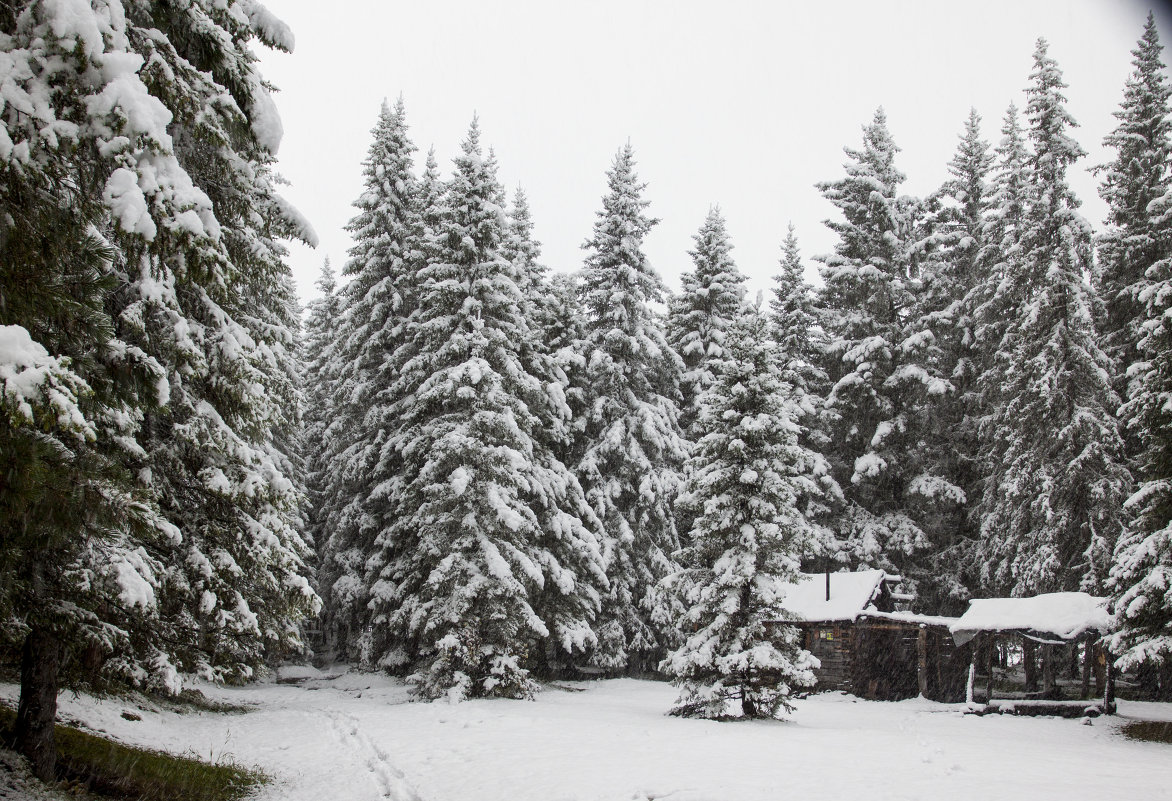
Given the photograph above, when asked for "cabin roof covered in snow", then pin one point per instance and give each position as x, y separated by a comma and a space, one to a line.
1065, 615
851, 595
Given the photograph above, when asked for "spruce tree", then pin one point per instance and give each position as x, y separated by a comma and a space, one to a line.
376, 306
712, 297
1051, 508
170, 545
236, 585
493, 548
1137, 276
952, 240
319, 377
878, 362
633, 448
748, 538
1142, 570
799, 337
1138, 175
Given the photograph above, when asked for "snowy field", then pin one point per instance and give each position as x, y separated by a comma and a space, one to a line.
358, 737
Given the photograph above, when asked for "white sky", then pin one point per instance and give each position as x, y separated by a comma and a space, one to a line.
741, 104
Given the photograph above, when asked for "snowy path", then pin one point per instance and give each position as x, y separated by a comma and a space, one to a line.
358, 738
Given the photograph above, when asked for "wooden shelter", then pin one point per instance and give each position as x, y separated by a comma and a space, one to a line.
1008, 635
866, 646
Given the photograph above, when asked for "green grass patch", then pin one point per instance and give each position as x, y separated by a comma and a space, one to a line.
1152, 731
104, 767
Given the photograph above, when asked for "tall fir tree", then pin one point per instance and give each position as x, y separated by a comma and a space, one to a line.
1137, 279
800, 339
492, 549
186, 556
711, 298
1142, 569
879, 365
319, 384
1052, 505
633, 448
376, 306
749, 536
952, 240
1138, 176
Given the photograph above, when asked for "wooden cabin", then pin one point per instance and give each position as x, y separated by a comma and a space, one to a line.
1038, 655
866, 646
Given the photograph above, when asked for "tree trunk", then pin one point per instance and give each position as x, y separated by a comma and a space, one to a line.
37, 711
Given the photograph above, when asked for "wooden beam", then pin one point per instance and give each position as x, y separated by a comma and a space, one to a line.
968, 690
991, 661
922, 660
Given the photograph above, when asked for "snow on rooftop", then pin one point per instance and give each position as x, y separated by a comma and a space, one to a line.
1064, 614
850, 595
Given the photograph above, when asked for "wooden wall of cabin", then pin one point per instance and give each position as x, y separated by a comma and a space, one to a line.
946, 666
832, 644
885, 660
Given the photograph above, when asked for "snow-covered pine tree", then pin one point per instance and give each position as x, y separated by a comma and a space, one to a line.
950, 244
377, 303
1142, 571
1137, 265
1139, 175
319, 375
711, 297
799, 337
795, 326
171, 165
564, 331
633, 448
994, 299
746, 478
213, 296
495, 548
879, 365
1052, 504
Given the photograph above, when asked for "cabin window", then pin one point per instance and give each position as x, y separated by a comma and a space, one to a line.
826, 634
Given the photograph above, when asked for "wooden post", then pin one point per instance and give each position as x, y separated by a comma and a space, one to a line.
1109, 691
1028, 649
968, 689
1088, 657
1047, 669
922, 660
992, 659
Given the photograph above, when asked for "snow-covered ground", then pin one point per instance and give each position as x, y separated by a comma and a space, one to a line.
358, 737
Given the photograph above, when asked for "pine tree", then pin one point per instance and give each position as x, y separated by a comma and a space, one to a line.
993, 301
795, 324
951, 244
236, 586
1137, 277
1051, 509
633, 447
699, 316
494, 545
1142, 569
376, 306
319, 378
1138, 175
747, 540
799, 337
177, 551
879, 366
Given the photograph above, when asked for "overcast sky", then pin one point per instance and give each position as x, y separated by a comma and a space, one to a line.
745, 105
